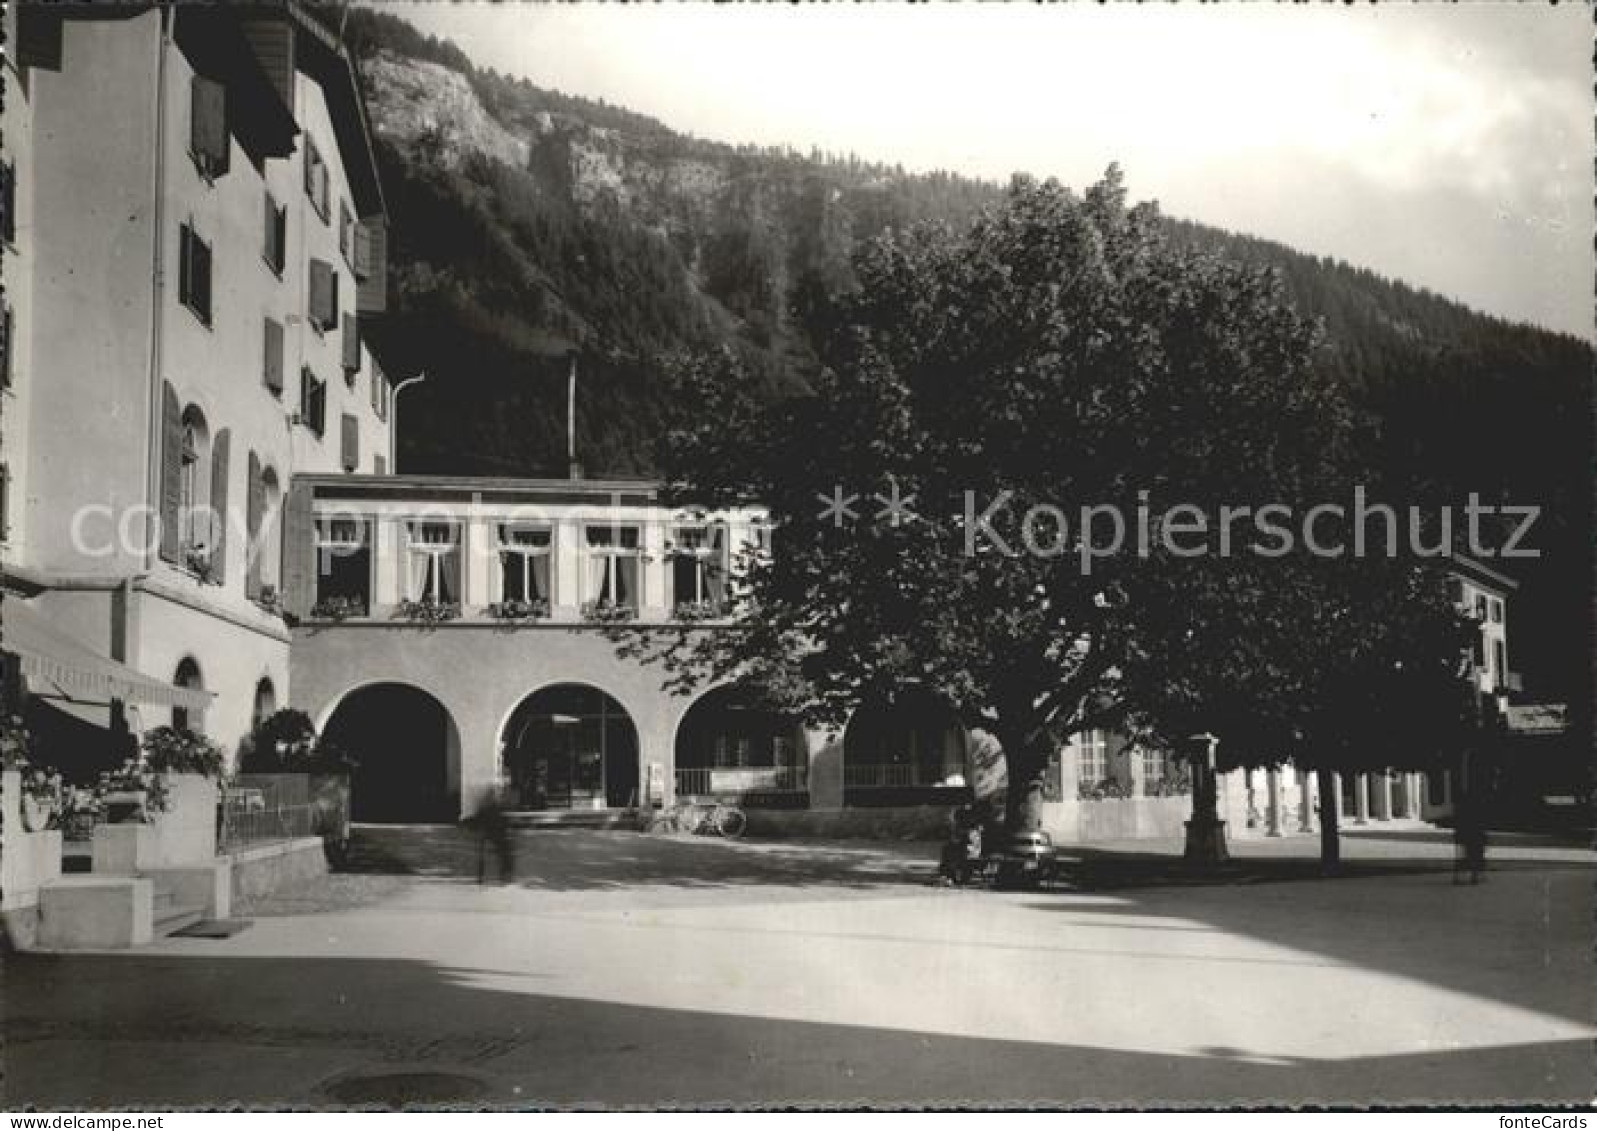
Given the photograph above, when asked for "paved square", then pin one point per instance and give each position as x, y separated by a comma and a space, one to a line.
626, 969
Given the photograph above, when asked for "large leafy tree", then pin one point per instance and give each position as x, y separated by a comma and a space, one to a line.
1339, 663
1059, 354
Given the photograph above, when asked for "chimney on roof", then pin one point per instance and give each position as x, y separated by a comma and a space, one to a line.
574, 468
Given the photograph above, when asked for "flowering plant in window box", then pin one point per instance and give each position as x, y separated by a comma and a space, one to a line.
199, 563
698, 610
338, 608
608, 612
428, 611
270, 600
536, 609
170, 750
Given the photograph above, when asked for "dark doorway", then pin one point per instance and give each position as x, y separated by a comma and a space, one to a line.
407, 754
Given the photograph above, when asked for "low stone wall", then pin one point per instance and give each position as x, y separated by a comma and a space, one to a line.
267, 868
918, 822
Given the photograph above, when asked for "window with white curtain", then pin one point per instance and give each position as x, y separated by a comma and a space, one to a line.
1091, 767
698, 564
524, 560
611, 571
433, 562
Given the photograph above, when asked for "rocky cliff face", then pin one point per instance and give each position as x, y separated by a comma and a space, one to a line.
412, 101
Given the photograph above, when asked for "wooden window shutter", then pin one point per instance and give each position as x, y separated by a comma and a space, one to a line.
345, 234
272, 363
7, 325
312, 160
218, 518
299, 552
275, 234
254, 510
351, 346
324, 294
8, 202
208, 125
371, 262
185, 284
351, 442
171, 473
201, 272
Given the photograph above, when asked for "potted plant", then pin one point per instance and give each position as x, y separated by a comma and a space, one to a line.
41, 798
131, 791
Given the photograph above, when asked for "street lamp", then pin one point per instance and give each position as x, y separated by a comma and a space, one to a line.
393, 414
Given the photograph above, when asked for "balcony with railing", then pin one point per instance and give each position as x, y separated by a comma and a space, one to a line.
903, 783
748, 785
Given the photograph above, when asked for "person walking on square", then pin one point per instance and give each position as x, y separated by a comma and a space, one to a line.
1469, 834
493, 833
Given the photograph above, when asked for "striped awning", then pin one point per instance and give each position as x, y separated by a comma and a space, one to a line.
48, 655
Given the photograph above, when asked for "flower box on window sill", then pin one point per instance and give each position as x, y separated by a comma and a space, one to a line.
269, 601
698, 610
606, 612
198, 562
428, 611
338, 608
513, 611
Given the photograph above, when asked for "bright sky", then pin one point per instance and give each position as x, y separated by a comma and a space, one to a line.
1450, 146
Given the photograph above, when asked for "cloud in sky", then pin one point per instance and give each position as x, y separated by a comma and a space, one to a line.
1451, 146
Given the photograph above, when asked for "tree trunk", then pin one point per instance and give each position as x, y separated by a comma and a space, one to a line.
1026, 762
1330, 802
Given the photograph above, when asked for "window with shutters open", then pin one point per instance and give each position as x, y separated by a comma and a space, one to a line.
275, 237
323, 298
272, 356
194, 273
208, 136
312, 401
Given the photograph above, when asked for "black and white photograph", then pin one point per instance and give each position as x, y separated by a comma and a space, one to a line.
814, 557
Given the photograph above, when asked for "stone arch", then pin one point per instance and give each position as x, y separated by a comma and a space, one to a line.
570, 745
406, 748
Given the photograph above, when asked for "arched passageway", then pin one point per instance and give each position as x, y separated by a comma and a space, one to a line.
731, 743
407, 753
911, 746
570, 746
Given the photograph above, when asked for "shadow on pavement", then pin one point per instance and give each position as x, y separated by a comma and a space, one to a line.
169, 1031
588, 860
